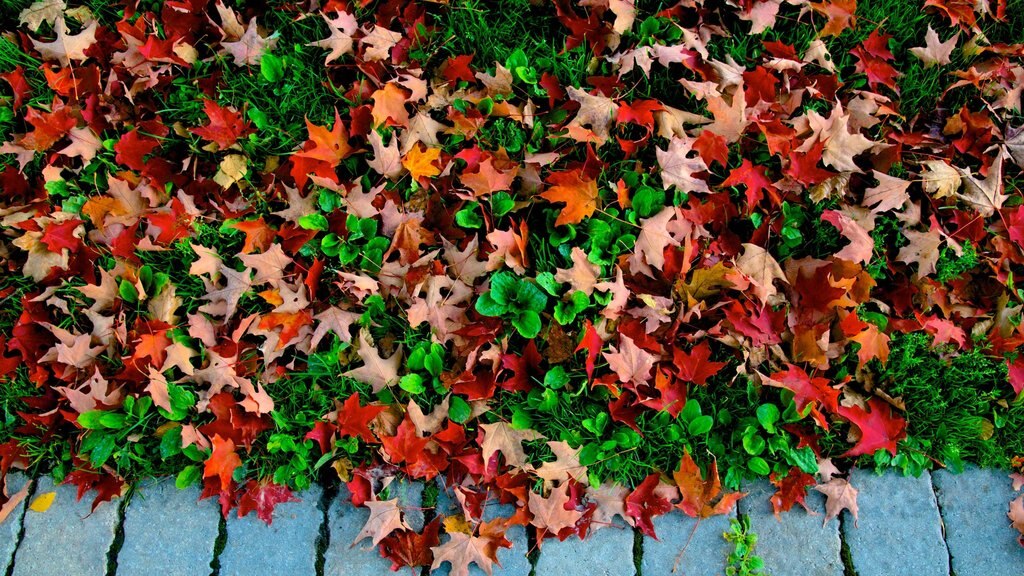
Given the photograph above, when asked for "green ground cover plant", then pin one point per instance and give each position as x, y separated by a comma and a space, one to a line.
598, 259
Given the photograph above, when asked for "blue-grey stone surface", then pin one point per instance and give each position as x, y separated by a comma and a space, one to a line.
345, 521
796, 530
705, 554
900, 531
168, 528
607, 552
12, 525
68, 539
978, 533
287, 546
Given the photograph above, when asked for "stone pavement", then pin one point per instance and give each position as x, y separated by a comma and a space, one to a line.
938, 524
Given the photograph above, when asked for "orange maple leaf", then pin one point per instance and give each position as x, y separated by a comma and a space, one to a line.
578, 193
223, 461
421, 162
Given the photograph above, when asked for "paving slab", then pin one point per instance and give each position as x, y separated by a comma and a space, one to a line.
68, 538
900, 530
169, 528
978, 533
345, 521
819, 546
287, 546
513, 561
12, 525
705, 554
607, 552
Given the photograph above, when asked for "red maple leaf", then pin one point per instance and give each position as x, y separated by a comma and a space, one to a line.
756, 182
133, 148
643, 504
695, 366
222, 461
807, 391
406, 548
880, 427
354, 419
226, 125
792, 490
592, 343
263, 497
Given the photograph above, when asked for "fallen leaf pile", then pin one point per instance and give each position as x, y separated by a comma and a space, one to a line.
447, 249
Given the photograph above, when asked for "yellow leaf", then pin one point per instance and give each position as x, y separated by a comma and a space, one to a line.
421, 162
457, 523
42, 502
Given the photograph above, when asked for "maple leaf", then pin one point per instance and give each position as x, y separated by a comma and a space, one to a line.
597, 112
649, 250
263, 497
330, 146
354, 419
249, 49
645, 502
226, 125
939, 178
763, 270
42, 11
986, 196
840, 14
935, 52
890, 194
702, 497
695, 366
592, 343
376, 371
222, 461
500, 437
461, 550
792, 490
631, 363
66, 48
583, 275
1016, 516
807, 391
406, 548
923, 250
840, 495
550, 513
841, 145
565, 466
679, 169
577, 192
342, 27
861, 246
421, 162
385, 518
880, 428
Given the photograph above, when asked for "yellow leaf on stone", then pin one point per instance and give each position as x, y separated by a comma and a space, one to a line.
457, 523
420, 162
42, 502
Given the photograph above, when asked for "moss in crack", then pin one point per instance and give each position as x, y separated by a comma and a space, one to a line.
218, 546
844, 550
115, 546
323, 540
638, 552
